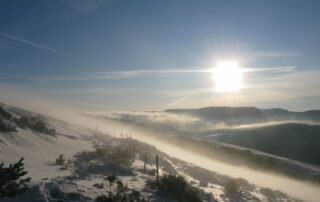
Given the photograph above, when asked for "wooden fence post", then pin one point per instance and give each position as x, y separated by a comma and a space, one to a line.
145, 163
157, 165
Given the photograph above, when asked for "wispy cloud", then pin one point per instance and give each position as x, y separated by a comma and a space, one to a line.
91, 92
271, 54
270, 69
37, 45
124, 74
194, 91
12, 75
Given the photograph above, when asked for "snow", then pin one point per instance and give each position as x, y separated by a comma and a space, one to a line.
216, 190
39, 152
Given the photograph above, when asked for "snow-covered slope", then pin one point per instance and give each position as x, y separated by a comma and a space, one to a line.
40, 150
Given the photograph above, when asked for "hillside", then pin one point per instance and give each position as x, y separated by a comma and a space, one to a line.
229, 115
291, 140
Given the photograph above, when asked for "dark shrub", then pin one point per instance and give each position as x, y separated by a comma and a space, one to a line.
98, 185
121, 156
74, 196
120, 186
60, 160
11, 181
133, 196
232, 186
111, 179
4, 114
6, 126
103, 198
178, 188
35, 124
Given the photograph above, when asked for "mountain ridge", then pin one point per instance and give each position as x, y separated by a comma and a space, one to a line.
242, 115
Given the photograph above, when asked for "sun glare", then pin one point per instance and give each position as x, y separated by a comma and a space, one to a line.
227, 76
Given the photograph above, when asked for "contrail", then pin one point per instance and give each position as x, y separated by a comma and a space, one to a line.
32, 43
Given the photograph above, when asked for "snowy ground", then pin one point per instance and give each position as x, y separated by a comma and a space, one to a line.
40, 151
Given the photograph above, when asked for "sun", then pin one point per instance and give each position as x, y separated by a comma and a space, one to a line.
227, 76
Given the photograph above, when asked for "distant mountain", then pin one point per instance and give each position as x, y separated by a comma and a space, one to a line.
230, 115
292, 140
245, 115
282, 114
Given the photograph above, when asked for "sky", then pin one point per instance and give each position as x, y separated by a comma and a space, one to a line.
157, 54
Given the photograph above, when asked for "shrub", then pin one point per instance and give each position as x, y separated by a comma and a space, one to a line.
35, 124
120, 186
115, 155
74, 196
99, 185
123, 193
11, 181
4, 114
121, 156
99, 152
111, 179
102, 198
7, 126
232, 186
133, 196
178, 188
60, 160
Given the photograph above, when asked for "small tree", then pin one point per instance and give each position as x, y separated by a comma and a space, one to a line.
11, 181
120, 186
60, 160
111, 179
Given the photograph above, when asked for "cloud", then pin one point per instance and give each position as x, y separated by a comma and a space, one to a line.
270, 69
13, 75
270, 54
90, 76
183, 92
37, 45
164, 121
125, 74
185, 124
90, 92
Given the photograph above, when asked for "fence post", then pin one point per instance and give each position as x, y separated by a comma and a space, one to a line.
157, 165
145, 163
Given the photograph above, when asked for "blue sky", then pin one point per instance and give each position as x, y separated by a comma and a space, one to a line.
125, 54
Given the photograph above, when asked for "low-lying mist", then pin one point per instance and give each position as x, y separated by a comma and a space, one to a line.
186, 123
